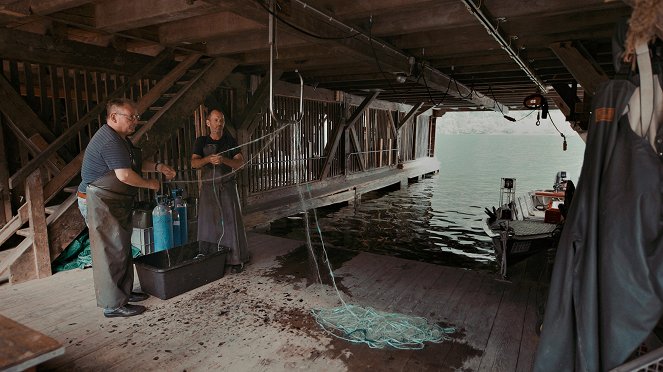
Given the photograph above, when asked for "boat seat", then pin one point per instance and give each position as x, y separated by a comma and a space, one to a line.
528, 205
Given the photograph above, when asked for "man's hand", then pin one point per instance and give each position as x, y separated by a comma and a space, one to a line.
215, 159
153, 184
167, 171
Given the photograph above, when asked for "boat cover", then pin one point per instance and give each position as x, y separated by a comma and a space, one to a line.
606, 291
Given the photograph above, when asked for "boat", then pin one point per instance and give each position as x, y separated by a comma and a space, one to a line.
529, 224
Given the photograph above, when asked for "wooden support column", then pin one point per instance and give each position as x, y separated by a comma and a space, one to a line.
566, 99
5, 195
580, 64
332, 146
355, 141
409, 115
37, 219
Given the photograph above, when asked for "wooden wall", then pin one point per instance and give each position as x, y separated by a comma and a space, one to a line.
61, 95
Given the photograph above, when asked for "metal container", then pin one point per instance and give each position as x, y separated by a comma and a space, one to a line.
142, 218
143, 240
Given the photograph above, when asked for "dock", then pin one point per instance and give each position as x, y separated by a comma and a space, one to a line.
259, 320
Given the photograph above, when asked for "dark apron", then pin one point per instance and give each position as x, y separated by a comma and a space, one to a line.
220, 222
109, 203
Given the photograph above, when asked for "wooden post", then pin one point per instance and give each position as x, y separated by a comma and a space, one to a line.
5, 196
37, 219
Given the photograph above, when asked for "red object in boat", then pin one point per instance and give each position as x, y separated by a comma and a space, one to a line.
550, 194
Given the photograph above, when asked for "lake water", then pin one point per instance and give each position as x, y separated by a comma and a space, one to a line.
439, 219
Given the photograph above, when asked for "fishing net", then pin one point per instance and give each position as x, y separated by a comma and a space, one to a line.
379, 329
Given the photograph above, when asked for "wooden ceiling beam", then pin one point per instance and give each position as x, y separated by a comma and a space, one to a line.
251, 42
120, 15
207, 27
582, 66
23, 46
454, 14
352, 10
44, 7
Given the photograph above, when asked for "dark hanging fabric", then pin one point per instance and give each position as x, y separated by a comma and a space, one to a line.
606, 291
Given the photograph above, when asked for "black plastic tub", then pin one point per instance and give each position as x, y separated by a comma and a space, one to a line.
168, 273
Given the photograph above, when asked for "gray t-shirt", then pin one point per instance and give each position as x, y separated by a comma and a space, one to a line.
106, 152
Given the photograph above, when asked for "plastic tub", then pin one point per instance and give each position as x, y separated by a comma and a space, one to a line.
169, 273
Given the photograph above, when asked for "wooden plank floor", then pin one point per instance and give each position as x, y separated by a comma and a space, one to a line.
259, 319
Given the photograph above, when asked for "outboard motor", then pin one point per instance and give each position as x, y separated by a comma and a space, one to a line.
560, 181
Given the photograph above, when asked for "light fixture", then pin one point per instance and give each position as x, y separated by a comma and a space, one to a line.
401, 78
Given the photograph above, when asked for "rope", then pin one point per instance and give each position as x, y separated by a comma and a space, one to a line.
379, 329
353, 323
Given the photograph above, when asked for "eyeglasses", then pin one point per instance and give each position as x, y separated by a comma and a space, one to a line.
130, 117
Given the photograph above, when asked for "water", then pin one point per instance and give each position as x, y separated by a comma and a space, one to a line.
439, 219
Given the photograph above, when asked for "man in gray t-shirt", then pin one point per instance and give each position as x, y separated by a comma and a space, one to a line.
111, 174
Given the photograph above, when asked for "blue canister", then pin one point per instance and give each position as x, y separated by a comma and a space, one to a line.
162, 224
182, 225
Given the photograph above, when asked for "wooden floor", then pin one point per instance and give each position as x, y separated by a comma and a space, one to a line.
259, 319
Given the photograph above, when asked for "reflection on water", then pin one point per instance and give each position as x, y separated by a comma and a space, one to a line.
439, 219
401, 223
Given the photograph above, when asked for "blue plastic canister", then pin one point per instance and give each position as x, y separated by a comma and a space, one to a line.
162, 224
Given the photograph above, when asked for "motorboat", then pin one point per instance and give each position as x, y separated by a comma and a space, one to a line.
527, 224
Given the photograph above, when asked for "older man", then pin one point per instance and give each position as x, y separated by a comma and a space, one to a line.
111, 174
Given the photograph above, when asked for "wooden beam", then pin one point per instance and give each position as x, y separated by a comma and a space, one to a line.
85, 120
361, 45
580, 64
208, 27
251, 41
5, 195
360, 154
28, 47
410, 114
17, 9
50, 190
51, 6
31, 147
37, 219
164, 84
332, 145
20, 114
567, 99
157, 116
181, 110
64, 226
120, 15
248, 120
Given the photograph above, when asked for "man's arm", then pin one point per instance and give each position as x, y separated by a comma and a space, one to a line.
150, 166
235, 163
128, 176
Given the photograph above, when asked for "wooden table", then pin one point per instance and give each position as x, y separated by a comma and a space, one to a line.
22, 348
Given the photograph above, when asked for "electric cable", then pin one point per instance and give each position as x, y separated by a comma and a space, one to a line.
306, 32
375, 56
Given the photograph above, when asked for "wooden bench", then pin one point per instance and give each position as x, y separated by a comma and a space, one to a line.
23, 348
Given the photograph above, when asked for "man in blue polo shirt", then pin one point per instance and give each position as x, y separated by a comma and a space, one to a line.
111, 174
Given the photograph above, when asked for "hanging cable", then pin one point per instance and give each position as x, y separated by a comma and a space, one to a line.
564, 144
377, 61
297, 28
507, 117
